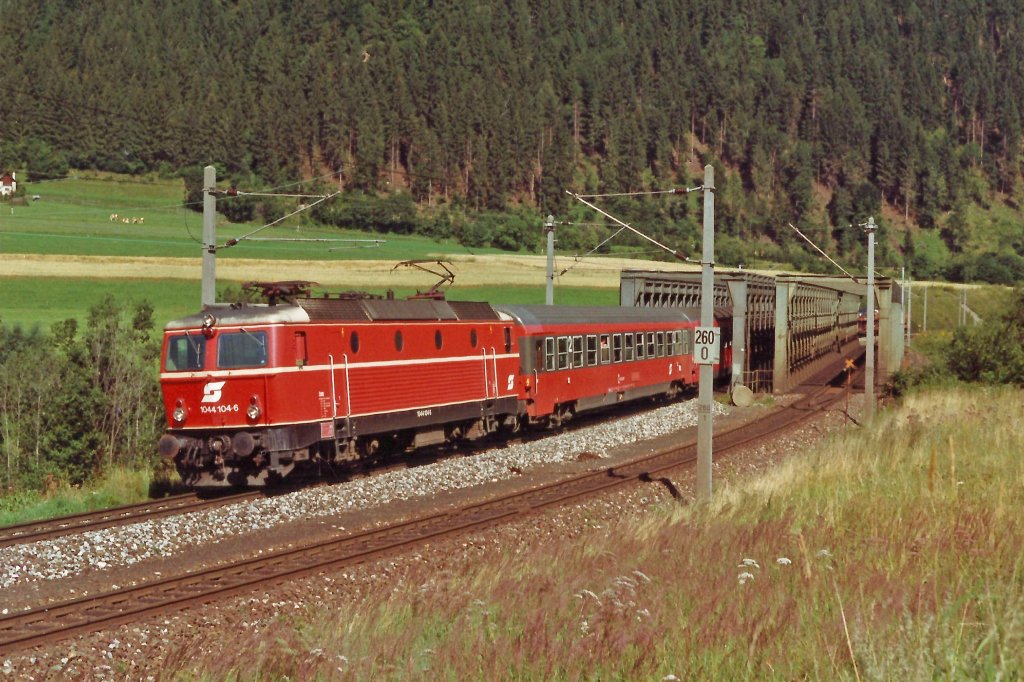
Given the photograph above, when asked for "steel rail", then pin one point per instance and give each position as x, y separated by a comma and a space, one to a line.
33, 531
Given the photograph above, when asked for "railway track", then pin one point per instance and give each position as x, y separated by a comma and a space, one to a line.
34, 531
48, 529
102, 611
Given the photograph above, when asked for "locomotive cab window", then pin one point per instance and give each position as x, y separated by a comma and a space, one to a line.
185, 353
242, 349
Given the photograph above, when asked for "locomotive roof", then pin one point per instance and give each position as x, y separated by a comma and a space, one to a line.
534, 315
336, 309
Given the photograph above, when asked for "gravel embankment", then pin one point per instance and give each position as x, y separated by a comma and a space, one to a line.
127, 545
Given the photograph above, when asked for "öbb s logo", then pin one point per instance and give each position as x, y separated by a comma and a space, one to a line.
212, 391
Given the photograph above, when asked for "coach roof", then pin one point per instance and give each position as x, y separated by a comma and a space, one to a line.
545, 315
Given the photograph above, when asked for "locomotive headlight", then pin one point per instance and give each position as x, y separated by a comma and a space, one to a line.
179, 414
253, 412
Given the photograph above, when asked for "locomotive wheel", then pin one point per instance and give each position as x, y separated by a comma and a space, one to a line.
370, 447
510, 424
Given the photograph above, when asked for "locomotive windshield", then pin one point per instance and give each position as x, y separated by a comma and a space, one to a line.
185, 352
242, 349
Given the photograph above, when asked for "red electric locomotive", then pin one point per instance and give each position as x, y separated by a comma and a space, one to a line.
257, 393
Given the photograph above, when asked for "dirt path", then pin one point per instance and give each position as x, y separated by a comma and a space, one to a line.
481, 270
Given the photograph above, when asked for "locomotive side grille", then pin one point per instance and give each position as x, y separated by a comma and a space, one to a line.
473, 310
409, 310
320, 309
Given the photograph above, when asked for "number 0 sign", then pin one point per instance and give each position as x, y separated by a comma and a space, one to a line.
706, 344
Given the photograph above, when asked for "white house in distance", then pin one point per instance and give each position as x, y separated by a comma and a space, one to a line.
8, 183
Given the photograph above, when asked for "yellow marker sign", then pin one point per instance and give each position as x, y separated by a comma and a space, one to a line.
849, 364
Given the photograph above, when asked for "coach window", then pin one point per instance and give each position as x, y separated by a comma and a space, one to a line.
591, 350
606, 351
563, 352
242, 349
650, 345
677, 342
399, 341
640, 346
660, 343
186, 352
686, 341
628, 347
353, 341
617, 348
549, 354
438, 341
472, 338
577, 351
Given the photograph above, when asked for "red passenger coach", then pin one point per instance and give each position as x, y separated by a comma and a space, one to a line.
259, 393
577, 359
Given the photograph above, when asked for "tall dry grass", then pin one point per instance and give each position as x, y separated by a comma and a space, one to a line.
893, 553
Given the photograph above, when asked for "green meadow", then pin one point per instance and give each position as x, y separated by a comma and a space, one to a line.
32, 301
75, 217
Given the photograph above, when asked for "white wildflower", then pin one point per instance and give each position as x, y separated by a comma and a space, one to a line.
744, 577
747, 563
783, 561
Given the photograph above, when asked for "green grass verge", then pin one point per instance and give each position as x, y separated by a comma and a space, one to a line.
893, 552
119, 486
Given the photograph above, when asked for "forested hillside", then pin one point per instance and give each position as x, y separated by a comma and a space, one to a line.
814, 112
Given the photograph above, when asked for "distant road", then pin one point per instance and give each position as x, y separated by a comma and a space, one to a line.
483, 270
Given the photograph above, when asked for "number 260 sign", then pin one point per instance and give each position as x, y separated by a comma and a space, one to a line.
706, 345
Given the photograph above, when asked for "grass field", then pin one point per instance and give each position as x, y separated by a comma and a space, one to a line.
32, 301
62, 253
74, 217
